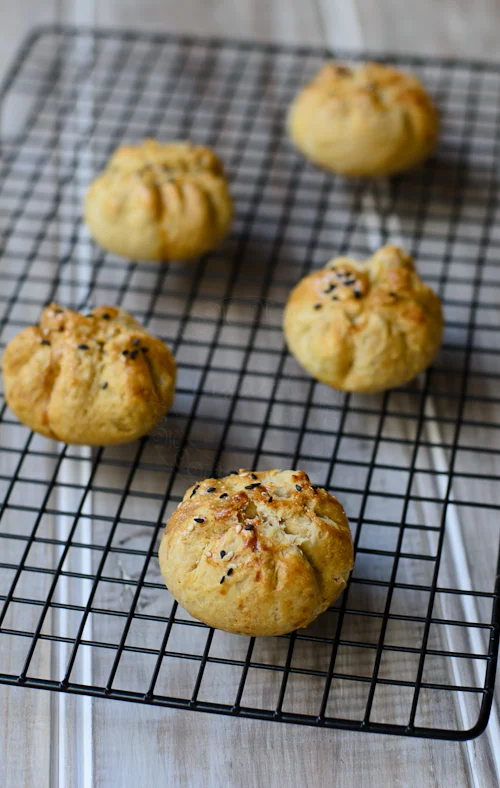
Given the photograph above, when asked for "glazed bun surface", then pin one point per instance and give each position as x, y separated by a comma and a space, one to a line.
159, 201
257, 553
96, 379
367, 121
364, 325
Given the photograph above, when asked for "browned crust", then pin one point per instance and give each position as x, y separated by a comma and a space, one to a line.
281, 547
94, 379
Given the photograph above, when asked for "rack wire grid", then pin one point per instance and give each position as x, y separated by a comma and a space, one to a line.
411, 646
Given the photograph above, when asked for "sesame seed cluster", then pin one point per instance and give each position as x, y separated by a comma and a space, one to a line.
248, 523
97, 333
342, 284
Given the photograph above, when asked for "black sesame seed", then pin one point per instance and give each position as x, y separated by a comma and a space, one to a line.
335, 298
270, 499
124, 352
195, 490
392, 294
298, 487
135, 342
106, 316
252, 486
224, 495
315, 487
222, 580
45, 342
199, 519
357, 294
144, 349
317, 306
253, 475
248, 527
210, 489
133, 354
83, 347
229, 572
104, 386
222, 553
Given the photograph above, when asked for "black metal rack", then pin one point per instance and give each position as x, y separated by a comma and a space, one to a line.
411, 646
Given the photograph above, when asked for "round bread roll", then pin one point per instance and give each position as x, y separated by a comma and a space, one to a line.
364, 326
160, 202
257, 553
96, 380
367, 121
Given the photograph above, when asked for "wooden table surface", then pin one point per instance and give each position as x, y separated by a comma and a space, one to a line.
48, 742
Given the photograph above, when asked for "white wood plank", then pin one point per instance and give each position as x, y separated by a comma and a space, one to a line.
280, 20
25, 752
454, 28
24, 746
32, 744
253, 754
17, 19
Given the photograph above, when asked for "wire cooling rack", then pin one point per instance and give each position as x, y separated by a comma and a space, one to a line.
411, 646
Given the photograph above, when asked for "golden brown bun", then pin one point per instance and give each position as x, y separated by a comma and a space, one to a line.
95, 380
367, 121
257, 553
160, 202
364, 326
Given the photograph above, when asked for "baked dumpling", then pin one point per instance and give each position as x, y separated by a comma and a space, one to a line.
159, 201
257, 553
364, 326
96, 380
367, 121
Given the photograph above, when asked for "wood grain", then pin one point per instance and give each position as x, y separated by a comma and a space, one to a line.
280, 20
449, 28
